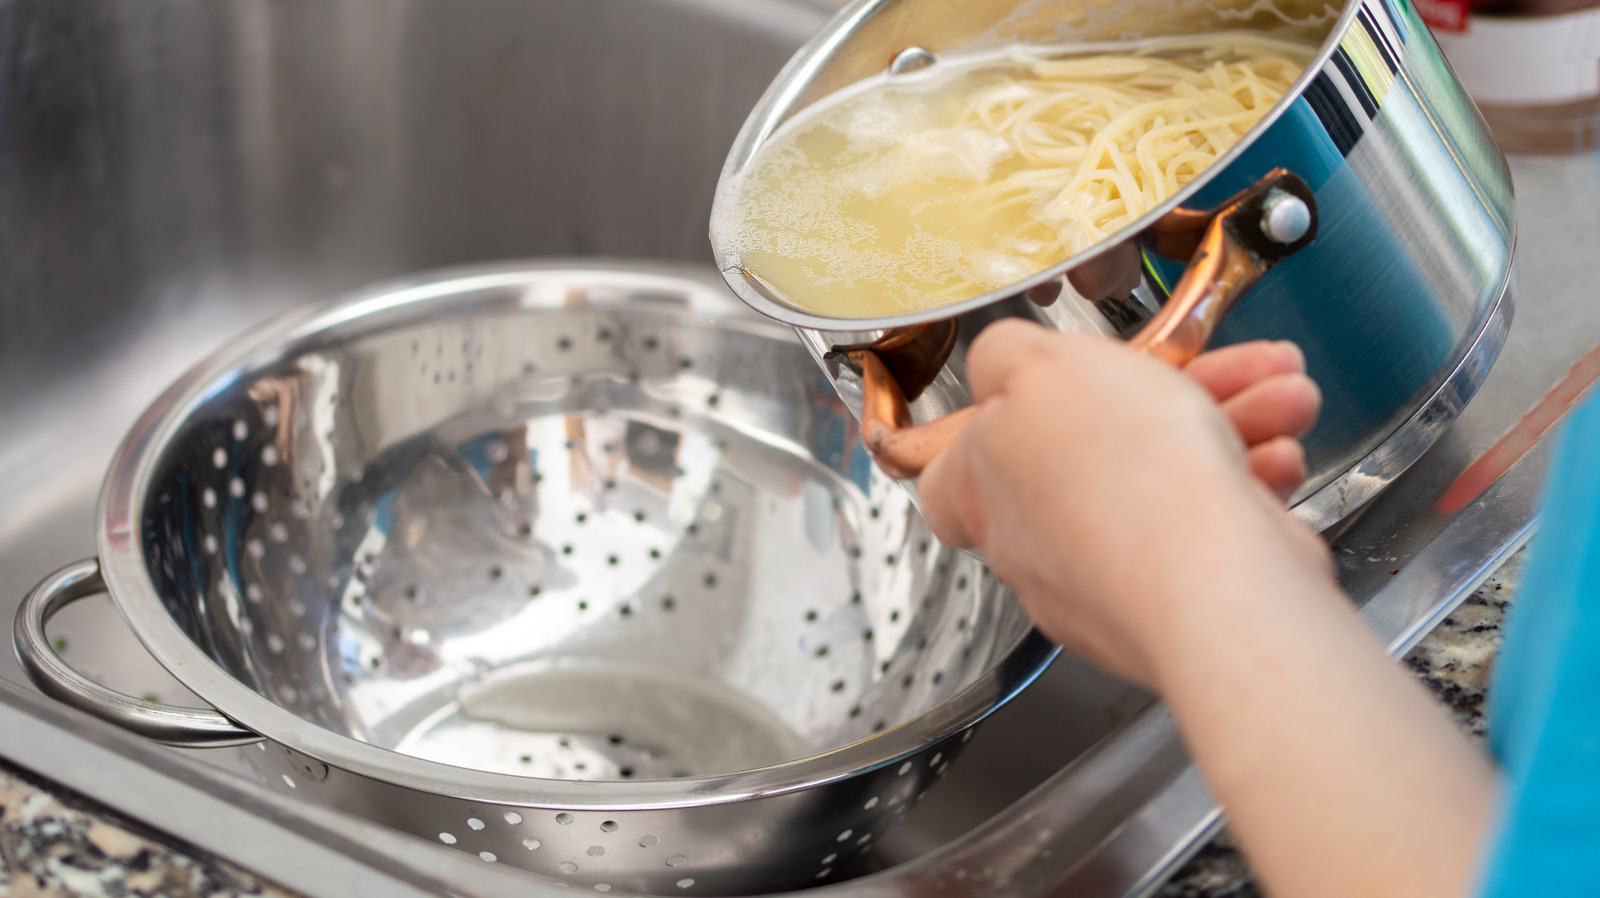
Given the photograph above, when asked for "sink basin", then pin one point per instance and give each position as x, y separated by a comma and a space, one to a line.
194, 169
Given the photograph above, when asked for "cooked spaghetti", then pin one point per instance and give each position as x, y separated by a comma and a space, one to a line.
895, 196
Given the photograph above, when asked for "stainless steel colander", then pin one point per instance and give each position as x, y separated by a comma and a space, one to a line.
580, 569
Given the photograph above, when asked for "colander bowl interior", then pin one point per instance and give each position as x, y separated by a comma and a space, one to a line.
569, 524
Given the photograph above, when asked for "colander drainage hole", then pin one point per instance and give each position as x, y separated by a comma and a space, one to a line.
580, 517
602, 887
829, 859
685, 883
668, 603
676, 860
582, 605
534, 590
894, 616
613, 560
564, 343
648, 842
564, 818
488, 856
532, 844
838, 686
844, 835
447, 838
655, 554
871, 803
609, 826
855, 711
219, 458
568, 867
822, 651
566, 549
639, 517
475, 823
811, 616
595, 851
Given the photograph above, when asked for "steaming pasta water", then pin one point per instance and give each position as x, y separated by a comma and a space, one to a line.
902, 194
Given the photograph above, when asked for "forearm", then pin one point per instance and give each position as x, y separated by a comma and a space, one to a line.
1339, 774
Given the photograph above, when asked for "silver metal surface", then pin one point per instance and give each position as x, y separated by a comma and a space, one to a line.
561, 565
1392, 300
190, 727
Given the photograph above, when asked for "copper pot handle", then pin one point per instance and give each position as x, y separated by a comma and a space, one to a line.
1228, 249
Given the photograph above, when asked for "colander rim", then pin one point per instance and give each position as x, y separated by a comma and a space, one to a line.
130, 475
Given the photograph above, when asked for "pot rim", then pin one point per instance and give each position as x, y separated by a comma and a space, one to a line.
776, 108
122, 561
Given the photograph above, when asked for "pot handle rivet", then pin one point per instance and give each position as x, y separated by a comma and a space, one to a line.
1285, 218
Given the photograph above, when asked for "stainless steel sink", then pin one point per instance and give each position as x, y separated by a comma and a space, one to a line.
172, 173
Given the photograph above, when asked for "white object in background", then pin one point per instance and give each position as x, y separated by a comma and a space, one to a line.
1526, 61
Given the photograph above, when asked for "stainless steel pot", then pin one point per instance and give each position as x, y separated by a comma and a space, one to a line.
1400, 301
577, 568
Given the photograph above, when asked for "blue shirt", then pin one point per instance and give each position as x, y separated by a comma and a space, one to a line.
1544, 705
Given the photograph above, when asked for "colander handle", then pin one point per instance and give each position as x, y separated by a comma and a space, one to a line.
169, 724
1228, 249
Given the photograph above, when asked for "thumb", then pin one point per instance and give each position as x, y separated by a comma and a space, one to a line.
947, 496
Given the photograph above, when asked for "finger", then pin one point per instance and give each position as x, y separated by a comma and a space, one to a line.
1280, 464
1282, 405
945, 497
1003, 348
1227, 371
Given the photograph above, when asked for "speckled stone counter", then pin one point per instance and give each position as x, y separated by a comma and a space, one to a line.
1454, 661
53, 843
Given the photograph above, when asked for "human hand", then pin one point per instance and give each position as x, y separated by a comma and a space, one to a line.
1101, 484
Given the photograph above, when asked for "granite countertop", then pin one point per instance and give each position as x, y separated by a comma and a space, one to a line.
55, 843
